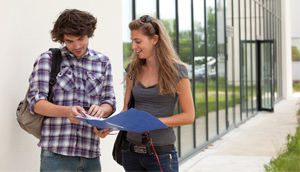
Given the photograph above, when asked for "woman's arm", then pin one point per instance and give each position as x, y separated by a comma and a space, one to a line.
127, 94
187, 115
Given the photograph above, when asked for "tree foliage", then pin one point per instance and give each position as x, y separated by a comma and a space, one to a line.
295, 54
184, 47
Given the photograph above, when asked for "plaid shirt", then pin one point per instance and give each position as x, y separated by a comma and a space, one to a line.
80, 82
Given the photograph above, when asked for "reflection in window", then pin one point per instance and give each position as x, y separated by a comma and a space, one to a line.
168, 18
211, 82
126, 19
145, 7
185, 53
199, 48
207, 64
222, 116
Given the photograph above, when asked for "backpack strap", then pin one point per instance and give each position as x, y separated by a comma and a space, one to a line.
55, 68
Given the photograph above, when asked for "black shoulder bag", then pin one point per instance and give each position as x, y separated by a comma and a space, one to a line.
117, 149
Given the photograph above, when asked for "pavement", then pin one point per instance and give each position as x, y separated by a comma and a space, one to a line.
248, 147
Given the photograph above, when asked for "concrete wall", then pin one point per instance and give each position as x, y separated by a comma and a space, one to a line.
294, 12
287, 88
25, 27
295, 34
296, 71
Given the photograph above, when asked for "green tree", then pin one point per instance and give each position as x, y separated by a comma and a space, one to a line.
295, 54
199, 39
127, 51
211, 33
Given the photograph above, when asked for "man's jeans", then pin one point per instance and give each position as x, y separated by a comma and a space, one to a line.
143, 162
54, 162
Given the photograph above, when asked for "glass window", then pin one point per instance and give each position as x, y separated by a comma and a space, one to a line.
236, 61
168, 18
210, 63
230, 63
199, 74
145, 7
223, 72
185, 53
221, 68
126, 19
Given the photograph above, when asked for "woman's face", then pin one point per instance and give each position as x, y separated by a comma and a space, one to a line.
143, 45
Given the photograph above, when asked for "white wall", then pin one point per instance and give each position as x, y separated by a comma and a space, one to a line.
296, 71
287, 87
294, 12
25, 33
295, 34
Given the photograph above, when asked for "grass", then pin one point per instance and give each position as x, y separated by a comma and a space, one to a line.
288, 160
200, 102
296, 86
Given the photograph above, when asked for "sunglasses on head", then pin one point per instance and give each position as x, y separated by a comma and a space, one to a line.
146, 19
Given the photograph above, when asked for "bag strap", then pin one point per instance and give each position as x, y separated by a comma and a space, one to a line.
55, 68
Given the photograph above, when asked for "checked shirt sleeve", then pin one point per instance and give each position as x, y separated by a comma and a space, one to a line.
39, 80
108, 93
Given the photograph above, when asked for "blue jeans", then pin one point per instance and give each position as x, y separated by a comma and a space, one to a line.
144, 162
55, 162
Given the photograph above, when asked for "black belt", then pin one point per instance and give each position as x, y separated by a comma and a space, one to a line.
146, 149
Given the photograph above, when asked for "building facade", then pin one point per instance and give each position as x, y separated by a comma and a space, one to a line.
233, 50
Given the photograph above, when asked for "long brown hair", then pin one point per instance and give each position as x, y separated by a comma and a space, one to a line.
167, 57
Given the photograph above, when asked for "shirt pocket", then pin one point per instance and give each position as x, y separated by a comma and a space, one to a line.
65, 79
94, 83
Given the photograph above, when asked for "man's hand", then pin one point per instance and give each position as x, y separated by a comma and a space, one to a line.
73, 112
96, 111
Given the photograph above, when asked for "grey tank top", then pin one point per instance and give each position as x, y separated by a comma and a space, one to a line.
149, 100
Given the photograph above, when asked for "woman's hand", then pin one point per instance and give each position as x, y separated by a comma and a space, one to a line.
102, 133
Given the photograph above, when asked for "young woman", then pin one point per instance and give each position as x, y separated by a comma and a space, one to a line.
157, 78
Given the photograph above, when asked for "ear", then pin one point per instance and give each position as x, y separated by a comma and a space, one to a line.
155, 39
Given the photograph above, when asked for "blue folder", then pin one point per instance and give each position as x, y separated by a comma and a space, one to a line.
130, 120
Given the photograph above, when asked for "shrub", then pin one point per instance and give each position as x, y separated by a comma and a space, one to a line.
289, 159
295, 54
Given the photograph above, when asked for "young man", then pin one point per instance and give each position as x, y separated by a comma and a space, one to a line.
84, 80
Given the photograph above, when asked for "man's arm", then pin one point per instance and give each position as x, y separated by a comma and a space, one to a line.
102, 111
108, 94
46, 108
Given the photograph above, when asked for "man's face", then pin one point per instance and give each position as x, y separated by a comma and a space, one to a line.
76, 44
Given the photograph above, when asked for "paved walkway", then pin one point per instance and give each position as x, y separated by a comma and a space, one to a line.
251, 145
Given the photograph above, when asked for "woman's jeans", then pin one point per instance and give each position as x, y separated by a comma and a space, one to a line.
144, 162
55, 162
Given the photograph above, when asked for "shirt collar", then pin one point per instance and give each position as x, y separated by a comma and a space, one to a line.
66, 52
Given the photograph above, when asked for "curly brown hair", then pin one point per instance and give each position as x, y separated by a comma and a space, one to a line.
73, 22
